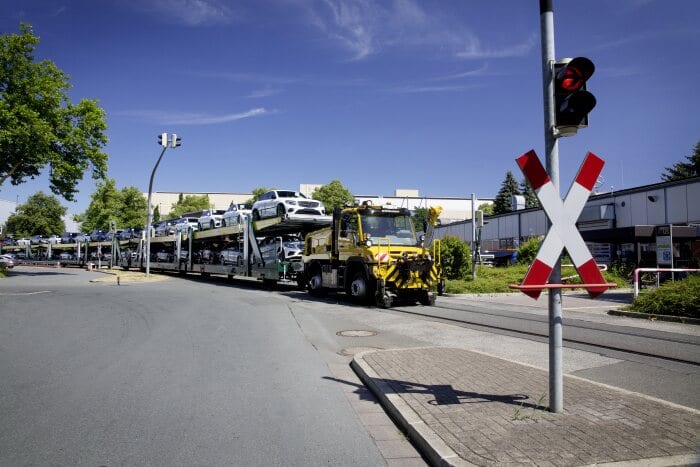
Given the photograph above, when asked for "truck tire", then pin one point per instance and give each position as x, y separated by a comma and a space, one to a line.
384, 301
427, 299
360, 288
315, 283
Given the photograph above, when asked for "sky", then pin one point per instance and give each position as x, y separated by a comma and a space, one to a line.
440, 96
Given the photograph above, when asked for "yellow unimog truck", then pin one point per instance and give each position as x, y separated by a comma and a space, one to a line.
372, 253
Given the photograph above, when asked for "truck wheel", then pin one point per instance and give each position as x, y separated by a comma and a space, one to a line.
315, 283
441, 287
427, 299
384, 301
359, 288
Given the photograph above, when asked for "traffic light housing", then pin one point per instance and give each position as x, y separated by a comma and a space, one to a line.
176, 141
163, 139
572, 102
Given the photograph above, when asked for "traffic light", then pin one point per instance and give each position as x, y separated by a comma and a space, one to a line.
176, 141
572, 102
163, 139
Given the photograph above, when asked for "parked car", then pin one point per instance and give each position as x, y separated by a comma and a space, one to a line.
165, 228
98, 236
184, 223
210, 219
24, 241
68, 237
66, 256
82, 237
232, 216
231, 255
36, 239
284, 248
53, 239
7, 262
286, 203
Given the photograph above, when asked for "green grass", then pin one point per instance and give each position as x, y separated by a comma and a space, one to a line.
679, 298
497, 280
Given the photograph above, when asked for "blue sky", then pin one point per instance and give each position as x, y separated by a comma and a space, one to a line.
439, 96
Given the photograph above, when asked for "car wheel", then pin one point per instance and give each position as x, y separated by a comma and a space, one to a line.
199, 226
280, 210
223, 222
212, 225
256, 215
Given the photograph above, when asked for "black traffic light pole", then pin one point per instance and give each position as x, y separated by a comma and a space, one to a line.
556, 379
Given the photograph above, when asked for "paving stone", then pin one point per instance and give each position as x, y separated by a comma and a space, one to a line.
489, 411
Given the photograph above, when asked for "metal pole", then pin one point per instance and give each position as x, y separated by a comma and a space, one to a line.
150, 216
556, 380
474, 252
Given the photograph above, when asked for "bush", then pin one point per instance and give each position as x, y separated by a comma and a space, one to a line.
679, 298
456, 257
528, 250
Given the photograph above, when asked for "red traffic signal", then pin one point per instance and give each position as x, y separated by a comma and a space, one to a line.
571, 99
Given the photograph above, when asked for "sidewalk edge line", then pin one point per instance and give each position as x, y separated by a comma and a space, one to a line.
430, 444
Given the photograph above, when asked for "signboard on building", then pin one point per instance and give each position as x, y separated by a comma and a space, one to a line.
664, 245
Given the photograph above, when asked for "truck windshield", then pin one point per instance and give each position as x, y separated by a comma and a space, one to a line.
397, 229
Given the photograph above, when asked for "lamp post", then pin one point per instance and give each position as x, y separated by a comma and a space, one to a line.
174, 142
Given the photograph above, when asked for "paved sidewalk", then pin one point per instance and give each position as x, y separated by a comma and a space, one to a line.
468, 408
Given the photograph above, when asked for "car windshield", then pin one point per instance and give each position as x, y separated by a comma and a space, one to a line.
289, 194
397, 229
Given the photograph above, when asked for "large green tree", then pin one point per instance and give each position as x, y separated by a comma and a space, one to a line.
42, 214
133, 208
509, 187
189, 203
126, 207
681, 170
40, 128
333, 195
531, 200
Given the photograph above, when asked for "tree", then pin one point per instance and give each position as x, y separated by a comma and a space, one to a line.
127, 208
104, 207
531, 200
419, 218
39, 126
681, 170
509, 187
156, 215
133, 208
42, 214
456, 257
257, 193
487, 209
189, 203
333, 195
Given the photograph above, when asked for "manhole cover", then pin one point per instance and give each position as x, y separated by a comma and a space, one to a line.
352, 351
356, 333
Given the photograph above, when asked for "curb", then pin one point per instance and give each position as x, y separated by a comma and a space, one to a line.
651, 316
425, 439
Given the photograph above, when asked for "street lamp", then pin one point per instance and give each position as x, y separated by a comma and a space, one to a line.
174, 142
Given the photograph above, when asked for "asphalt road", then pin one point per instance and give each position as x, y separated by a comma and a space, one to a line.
168, 373
205, 372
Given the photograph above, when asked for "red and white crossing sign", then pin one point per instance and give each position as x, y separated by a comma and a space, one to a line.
562, 233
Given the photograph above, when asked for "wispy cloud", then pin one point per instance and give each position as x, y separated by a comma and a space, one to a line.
265, 92
186, 118
191, 12
475, 50
417, 89
367, 27
481, 71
